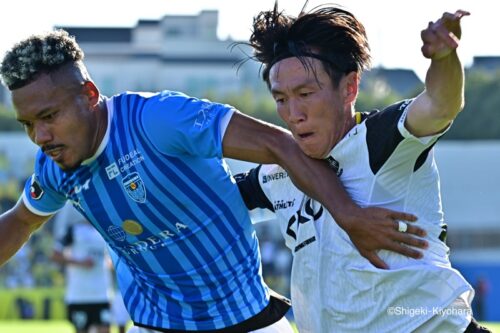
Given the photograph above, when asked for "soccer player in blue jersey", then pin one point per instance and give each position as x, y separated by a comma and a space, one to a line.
147, 170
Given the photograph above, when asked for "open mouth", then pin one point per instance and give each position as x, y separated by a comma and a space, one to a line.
54, 152
305, 135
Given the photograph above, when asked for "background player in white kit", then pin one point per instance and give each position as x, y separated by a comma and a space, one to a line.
312, 65
82, 251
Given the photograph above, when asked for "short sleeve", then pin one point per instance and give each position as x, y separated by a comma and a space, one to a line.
39, 194
178, 125
425, 140
39, 199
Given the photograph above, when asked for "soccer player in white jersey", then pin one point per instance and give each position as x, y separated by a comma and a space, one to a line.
146, 170
312, 65
82, 251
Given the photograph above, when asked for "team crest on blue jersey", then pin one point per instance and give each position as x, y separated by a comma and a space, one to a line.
36, 191
134, 186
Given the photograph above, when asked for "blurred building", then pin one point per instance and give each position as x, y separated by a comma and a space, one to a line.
176, 53
403, 82
183, 52
486, 63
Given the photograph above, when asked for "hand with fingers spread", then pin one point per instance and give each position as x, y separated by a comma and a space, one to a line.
374, 228
442, 37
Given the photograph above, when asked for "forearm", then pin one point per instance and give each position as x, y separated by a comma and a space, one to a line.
443, 98
59, 257
62, 259
444, 85
250, 140
316, 179
15, 235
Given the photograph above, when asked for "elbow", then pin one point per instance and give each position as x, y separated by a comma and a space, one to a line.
456, 109
447, 110
460, 104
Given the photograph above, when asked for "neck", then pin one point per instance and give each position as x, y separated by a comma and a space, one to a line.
349, 123
101, 123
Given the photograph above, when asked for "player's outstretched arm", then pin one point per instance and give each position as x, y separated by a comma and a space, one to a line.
443, 98
370, 229
16, 227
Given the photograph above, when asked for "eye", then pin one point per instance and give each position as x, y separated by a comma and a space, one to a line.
49, 116
306, 93
27, 126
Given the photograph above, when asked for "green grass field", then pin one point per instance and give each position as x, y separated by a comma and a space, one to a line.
36, 326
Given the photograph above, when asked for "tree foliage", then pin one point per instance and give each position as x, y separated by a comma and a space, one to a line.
480, 116
8, 122
478, 121
260, 106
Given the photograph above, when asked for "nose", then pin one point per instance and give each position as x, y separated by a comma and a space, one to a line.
41, 134
296, 111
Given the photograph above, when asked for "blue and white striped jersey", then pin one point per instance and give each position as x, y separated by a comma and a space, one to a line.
161, 195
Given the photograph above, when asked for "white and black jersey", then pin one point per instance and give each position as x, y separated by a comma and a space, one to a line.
81, 240
334, 288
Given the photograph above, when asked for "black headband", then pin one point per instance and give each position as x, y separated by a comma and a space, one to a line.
290, 50
286, 55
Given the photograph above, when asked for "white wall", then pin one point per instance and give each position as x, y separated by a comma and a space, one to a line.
470, 183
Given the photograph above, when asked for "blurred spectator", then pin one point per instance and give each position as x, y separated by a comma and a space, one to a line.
275, 256
120, 316
18, 270
479, 304
81, 249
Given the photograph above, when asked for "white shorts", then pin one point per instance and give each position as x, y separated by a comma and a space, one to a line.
281, 326
454, 318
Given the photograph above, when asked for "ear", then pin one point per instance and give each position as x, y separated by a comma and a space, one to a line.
350, 87
90, 90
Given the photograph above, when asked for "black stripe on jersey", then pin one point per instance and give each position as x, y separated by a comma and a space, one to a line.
382, 134
304, 243
422, 157
250, 190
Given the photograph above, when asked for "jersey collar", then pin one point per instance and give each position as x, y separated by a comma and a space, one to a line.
105, 139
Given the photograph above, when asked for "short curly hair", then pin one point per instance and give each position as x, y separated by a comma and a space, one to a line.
38, 54
327, 33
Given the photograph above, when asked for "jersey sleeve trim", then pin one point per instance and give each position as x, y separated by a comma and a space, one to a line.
251, 190
425, 140
224, 122
33, 209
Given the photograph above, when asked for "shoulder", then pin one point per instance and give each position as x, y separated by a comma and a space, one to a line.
383, 134
175, 106
389, 116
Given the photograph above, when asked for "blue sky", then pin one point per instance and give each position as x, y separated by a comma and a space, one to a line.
393, 26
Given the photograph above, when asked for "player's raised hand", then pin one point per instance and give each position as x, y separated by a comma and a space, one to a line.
442, 37
376, 228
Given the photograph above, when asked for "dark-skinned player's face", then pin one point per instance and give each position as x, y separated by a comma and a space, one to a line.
57, 117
